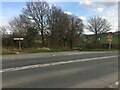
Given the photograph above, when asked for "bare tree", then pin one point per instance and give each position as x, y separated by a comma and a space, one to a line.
37, 11
53, 25
58, 23
19, 25
75, 29
63, 27
24, 27
98, 25
3, 30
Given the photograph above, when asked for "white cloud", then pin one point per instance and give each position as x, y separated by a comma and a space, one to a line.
85, 2
112, 17
86, 31
111, 14
104, 17
107, 11
99, 10
50, 6
25, 7
108, 4
69, 13
82, 17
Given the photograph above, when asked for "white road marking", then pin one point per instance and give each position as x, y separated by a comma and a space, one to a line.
52, 64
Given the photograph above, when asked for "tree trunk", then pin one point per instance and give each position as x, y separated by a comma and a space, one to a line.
43, 42
96, 37
71, 44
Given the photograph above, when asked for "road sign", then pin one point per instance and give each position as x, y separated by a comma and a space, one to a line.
109, 37
19, 39
16, 38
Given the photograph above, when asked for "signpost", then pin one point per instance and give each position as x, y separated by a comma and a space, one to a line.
109, 38
19, 39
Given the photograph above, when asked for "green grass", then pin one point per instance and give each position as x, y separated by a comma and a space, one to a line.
38, 51
30, 50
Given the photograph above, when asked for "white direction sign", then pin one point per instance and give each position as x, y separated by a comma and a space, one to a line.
18, 38
21, 39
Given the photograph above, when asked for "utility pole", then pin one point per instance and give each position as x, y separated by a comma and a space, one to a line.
19, 45
110, 44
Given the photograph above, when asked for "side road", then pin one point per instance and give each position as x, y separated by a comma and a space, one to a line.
50, 54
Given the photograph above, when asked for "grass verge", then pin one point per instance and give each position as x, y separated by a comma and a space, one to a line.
31, 50
47, 50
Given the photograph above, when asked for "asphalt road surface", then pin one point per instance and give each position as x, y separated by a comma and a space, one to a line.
90, 70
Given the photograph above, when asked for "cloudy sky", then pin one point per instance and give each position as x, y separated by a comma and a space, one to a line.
82, 8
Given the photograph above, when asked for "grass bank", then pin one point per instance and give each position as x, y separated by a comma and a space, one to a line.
46, 50
32, 50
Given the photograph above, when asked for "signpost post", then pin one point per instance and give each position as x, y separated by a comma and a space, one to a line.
109, 38
19, 39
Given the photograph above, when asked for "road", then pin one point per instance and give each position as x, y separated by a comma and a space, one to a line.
88, 70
